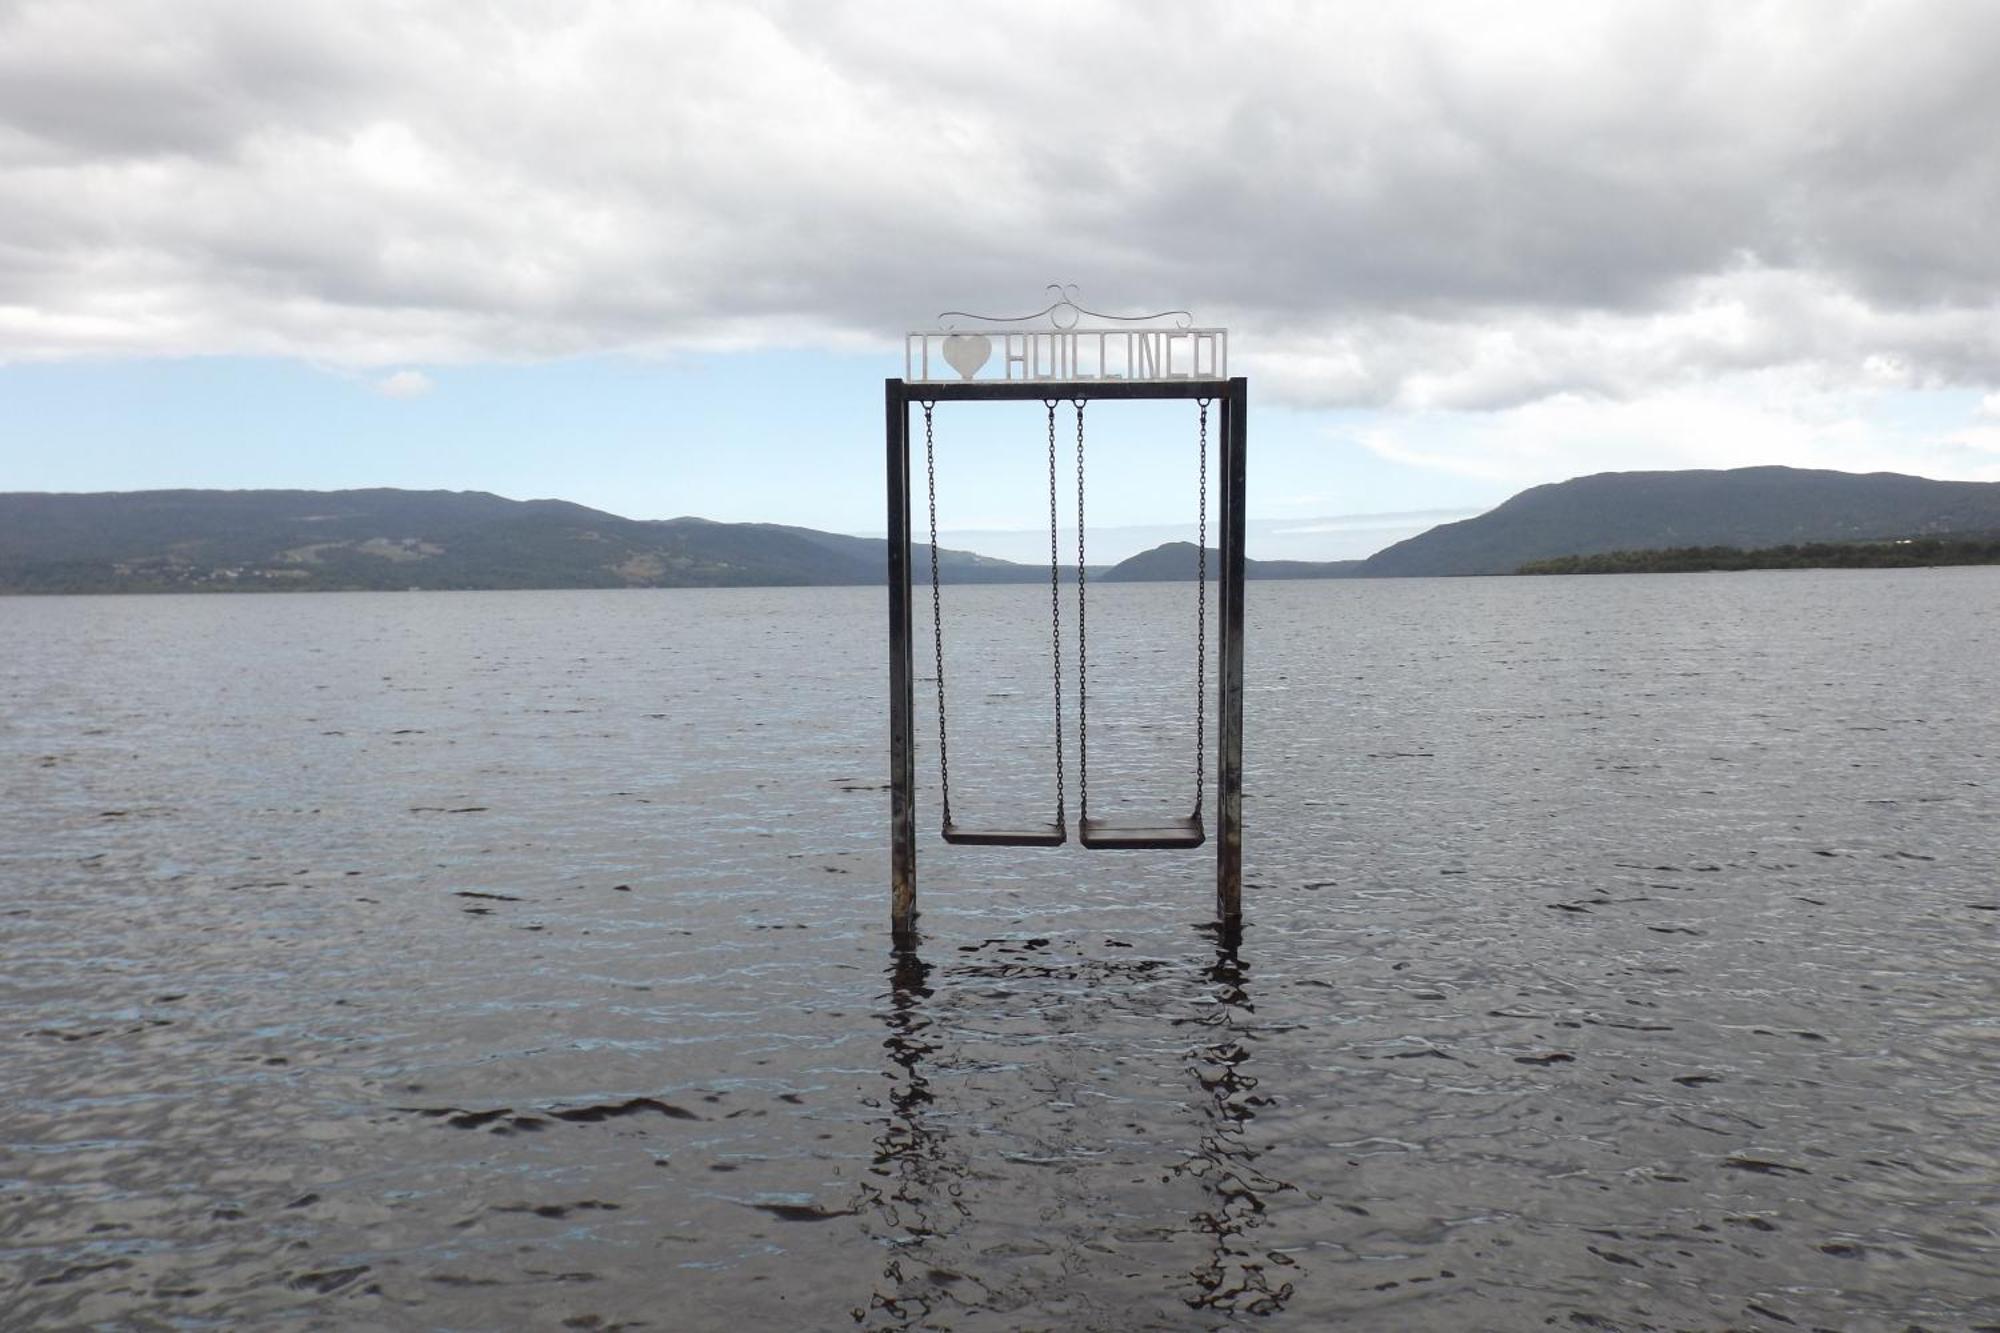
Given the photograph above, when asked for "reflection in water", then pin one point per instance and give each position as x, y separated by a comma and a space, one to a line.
272, 865
1234, 1277
1059, 1221
916, 1182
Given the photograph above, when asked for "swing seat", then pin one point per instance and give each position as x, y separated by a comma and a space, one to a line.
1142, 834
1029, 835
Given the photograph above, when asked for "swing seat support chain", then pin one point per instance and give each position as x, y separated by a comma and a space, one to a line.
1054, 833
1143, 834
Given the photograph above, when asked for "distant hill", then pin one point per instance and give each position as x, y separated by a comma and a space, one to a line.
163, 541
1748, 508
150, 541
872, 553
1178, 562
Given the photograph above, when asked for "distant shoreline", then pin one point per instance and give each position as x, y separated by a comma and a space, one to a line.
1907, 553
1546, 567
387, 540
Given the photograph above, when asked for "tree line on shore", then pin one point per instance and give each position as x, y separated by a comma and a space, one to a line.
1906, 553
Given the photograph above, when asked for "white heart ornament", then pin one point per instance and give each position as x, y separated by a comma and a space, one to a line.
967, 352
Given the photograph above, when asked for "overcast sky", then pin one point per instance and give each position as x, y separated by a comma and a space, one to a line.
657, 256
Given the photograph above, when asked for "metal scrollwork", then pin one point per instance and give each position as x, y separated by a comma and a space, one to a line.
1064, 312
1065, 342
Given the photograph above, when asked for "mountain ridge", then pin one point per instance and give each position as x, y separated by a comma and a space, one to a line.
389, 539
383, 538
1749, 507
1177, 562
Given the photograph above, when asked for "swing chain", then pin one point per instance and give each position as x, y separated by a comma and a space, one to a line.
1055, 614
1082, 640
937, 611
1201, 615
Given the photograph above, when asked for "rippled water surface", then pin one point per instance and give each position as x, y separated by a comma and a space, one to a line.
1620, 954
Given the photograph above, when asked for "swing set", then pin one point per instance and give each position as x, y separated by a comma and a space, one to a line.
1159, 834
1056, 365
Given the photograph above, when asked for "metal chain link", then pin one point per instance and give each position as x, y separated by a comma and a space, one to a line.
1082, 640
937, 611
1201, 616
1055, 616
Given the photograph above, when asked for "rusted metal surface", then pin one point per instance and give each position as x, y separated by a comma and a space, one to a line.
902, 680
1229, 757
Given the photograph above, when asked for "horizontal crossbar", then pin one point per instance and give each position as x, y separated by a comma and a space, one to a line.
1038, 390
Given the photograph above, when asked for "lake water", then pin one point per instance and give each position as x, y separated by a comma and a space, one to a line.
1620, 953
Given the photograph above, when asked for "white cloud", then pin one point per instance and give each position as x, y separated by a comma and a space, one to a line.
1780, 416
405, 384
1435, 207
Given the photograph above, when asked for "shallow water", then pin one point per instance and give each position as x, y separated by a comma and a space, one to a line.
1621, 954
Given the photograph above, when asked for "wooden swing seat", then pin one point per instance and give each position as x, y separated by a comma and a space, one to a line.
1031, 835
1142, 834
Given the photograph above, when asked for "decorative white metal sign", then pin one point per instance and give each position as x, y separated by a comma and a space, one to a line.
1165, 346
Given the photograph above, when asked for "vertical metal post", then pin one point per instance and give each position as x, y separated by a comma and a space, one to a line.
1229, 752
902, 678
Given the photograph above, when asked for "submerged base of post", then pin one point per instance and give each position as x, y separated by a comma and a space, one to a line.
903, 897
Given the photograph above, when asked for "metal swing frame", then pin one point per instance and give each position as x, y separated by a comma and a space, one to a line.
1231, 396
